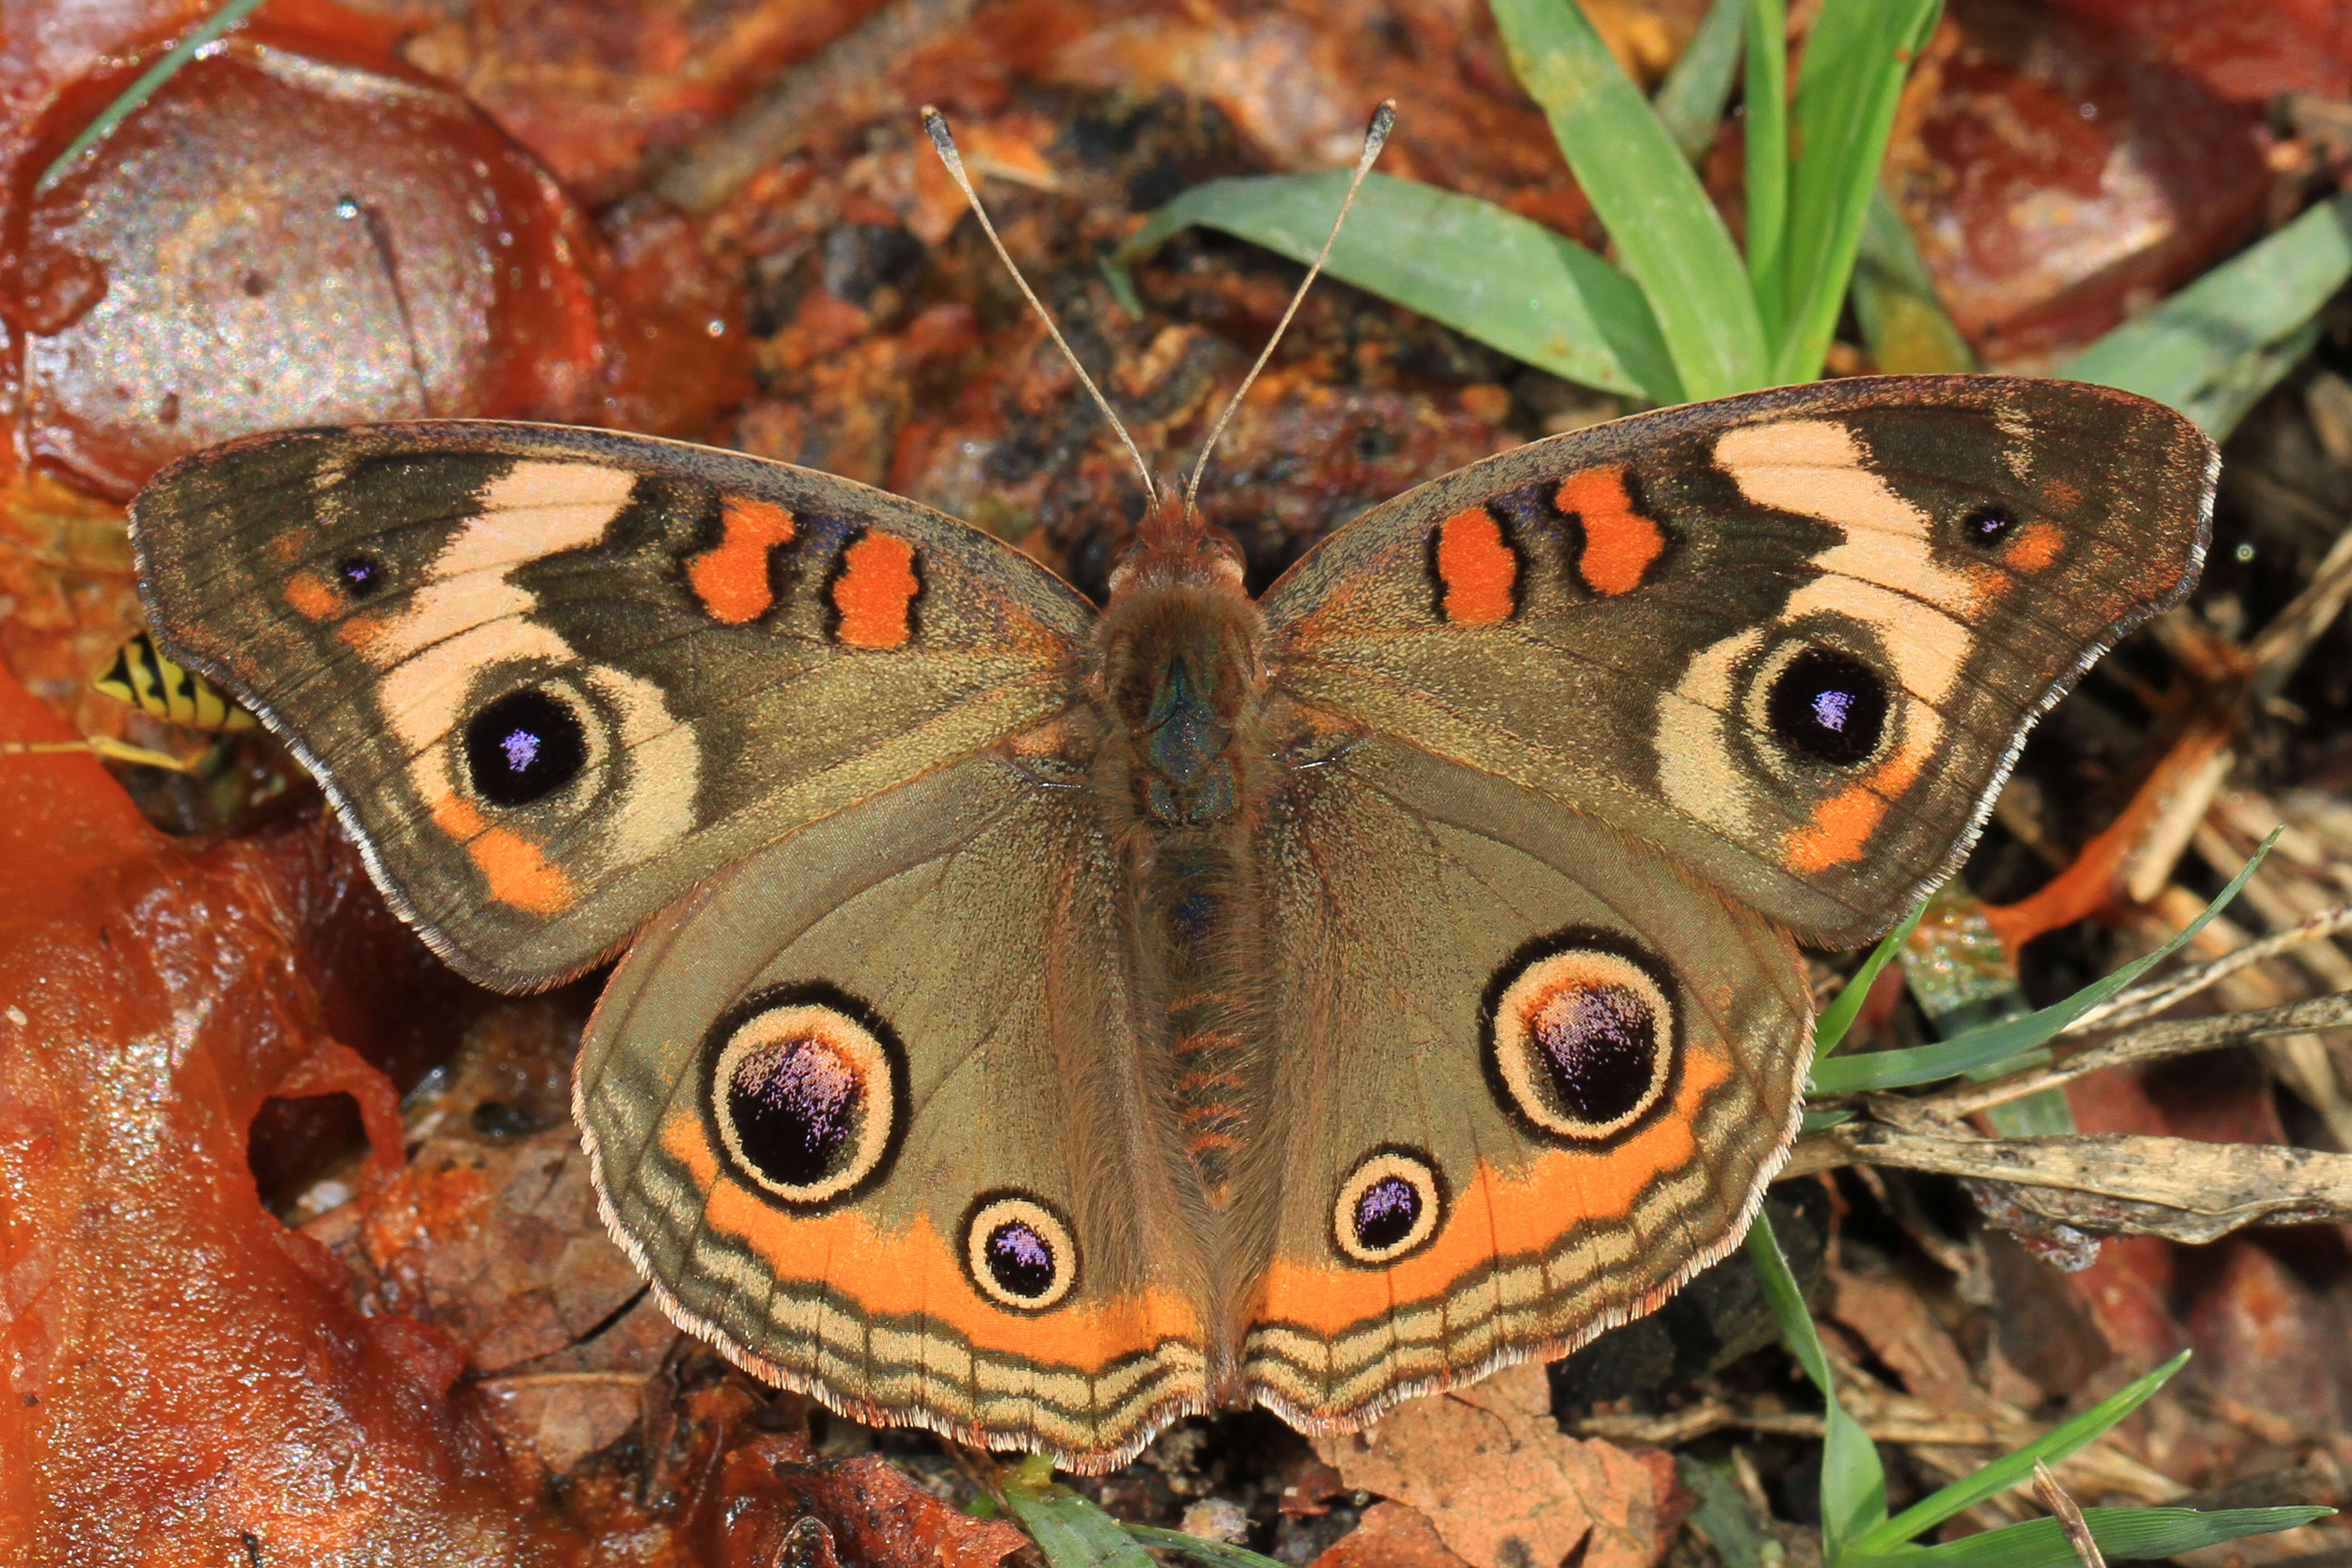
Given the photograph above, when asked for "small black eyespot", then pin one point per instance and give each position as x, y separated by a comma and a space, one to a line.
524, 747
359, 574
1386, 1212
1827, 706
1018, 1252
1020, 1259
1988, 526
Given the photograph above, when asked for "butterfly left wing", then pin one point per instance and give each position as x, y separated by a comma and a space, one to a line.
1793, 640
554, 678
1533, 1078
871, 1110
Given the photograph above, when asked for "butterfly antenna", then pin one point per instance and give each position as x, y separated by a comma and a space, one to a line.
1376, 136
935, 126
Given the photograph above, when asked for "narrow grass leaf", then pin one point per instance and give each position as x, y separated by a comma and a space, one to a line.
1998, 1042
2016, 1468
1766, 137
1904, 324
1070, 1529
1689, 103
1856, 56
1820, 1119
127, 102
2124, 1534
1503, 279
2200, 335
1837, 1017
2221, 403
1667, 233
1215, 1553
1853, 1482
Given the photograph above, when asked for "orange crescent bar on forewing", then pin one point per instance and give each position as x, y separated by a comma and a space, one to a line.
1477, 566
1498, 1215
876, 592
730, 578
914, 1271
1620, 543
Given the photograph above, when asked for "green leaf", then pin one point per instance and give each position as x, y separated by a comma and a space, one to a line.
2124, 1534
2017, 1467
1215, 1553
1724, 1514
1853, 1482
1667, 233
1507, 282
1998, 1042
1069, 1528
1766, 138
1856, 56
1904, 324
126, 103
1820, 1119
1689, 102
1836, 1018
2190, 348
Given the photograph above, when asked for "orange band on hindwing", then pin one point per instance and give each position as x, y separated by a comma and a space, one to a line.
1499, 1215
1477, 570
1621, 545
873, 591
730, 579
519, 875
912, 1271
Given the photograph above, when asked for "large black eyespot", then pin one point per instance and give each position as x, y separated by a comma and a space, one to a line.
1987, 526
1019, 1252
524, 747
1389, 1207
360, 574
807, 1092
1827, 706
1580, 1035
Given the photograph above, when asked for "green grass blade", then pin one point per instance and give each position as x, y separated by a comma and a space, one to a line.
1723, 1514
1853, 1482
1856, 56
127, 102
1667, 233
2017, 1467
2125, 1534
1503, 279
2200, 335
1689, 103
2221, 403
1837, 1017
1766, 135
1904, 324
1215, 1553
1998, 1042
1068, 1528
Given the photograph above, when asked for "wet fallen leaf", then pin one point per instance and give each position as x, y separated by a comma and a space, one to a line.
1501, 1484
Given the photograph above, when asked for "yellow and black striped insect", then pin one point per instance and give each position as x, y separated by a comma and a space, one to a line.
141, 676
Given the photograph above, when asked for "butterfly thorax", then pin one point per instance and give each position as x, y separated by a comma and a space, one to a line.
1179, 666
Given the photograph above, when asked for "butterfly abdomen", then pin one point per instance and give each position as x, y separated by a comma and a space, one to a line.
1182, 772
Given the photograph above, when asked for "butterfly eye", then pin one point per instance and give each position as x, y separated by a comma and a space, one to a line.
1581, 1038
360, 574
1827, 706
1389, 1207
805, 1096
523, 748
1019, 1252
1988, 526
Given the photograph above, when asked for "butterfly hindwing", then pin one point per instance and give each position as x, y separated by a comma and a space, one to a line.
875, 1109
1791, 638
1534, 1079
554, 678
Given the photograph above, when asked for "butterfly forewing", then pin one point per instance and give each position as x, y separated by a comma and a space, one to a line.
554, 678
